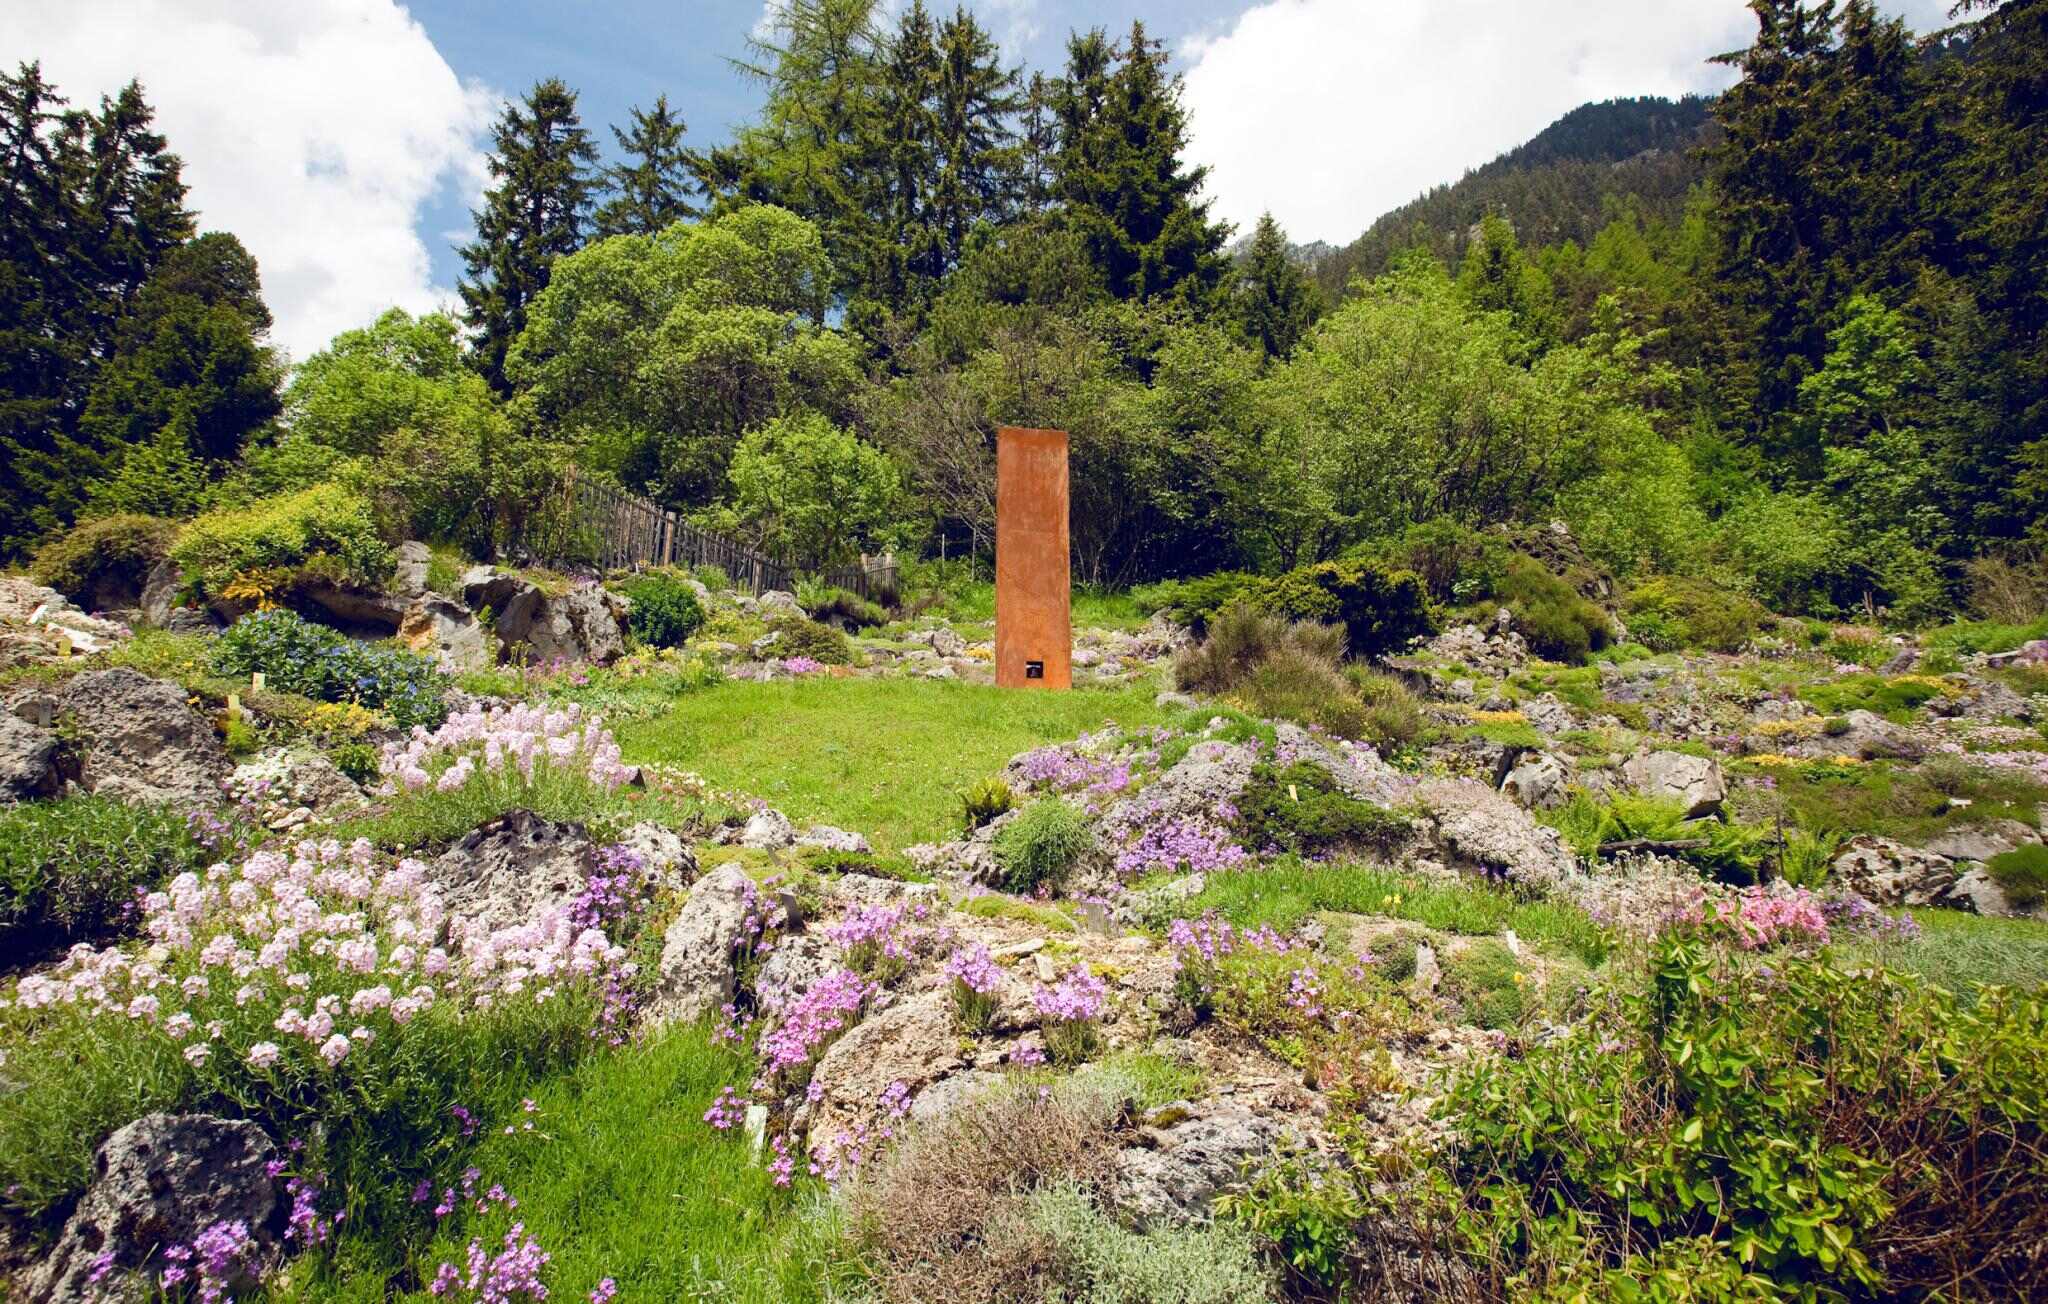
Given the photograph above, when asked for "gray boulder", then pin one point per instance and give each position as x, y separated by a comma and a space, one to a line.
513, 868
1175, 1172
1872, 737
158, 1182
698, 969
446, 631
1538, 781
141, 741
767, 830
583, 624
1482, 830
1694, 782
665, 858
289, 785
1892, 874
834, 839
915, 1042
160, 592
414, 558
28, 759
775, 603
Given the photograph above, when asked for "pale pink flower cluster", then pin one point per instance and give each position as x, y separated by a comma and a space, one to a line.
1765, 917
309, 955
501, 741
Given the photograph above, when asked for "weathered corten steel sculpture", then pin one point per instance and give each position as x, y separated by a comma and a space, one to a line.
1034, 616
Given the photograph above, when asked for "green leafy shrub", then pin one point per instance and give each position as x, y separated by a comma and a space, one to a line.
984, 801
1381, 610
665, 610
2023, 873
1896, 698
1851, 1132
1490, 985
103, 562
326, 525
798, 637
1040, 846
1457, 564
70, 869
1560, 624
298, 656
357, 760
1672, 612
1300, 809
1194, 602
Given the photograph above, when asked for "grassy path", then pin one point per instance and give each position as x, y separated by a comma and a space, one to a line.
885, 757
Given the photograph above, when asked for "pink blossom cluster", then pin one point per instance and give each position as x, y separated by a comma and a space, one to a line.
500, 741
727, 1111
1204, 941
829, 1007
801, 666
875, 939
975, 969
1077, 998
1763, 917
2027, 764
309, 956
1152, 840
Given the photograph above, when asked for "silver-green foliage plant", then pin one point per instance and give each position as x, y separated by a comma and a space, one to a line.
1041, 844
1100, 1261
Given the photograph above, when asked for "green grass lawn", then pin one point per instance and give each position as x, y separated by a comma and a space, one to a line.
1960, 951
884, 757
622, 1178
1093, 608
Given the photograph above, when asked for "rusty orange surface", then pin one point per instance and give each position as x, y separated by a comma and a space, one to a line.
1034, 613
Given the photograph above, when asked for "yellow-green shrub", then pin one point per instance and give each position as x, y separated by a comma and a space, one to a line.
326, 525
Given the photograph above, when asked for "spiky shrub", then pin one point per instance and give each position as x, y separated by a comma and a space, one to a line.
1241, 639
1041, 845
105, 560
987, 800
1393, 714
836, 604
665, 612
71, 869
797, 637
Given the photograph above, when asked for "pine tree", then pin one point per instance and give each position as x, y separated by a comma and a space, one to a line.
652, 188
1038, 145
90, 202
903, 256
980, 160
534, 214
1119, 173
1276, 303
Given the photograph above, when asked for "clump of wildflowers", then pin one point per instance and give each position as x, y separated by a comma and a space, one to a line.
512, 1274
1201, 945
808, 1026
1069, 1010
875, 940
975, 981
509, 744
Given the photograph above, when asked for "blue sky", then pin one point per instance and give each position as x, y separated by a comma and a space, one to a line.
620, 55
344, 141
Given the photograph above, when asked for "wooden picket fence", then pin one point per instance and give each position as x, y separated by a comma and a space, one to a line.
629, 532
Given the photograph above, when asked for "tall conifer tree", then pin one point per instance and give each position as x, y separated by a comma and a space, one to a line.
535, 213
1276, 302
651, 189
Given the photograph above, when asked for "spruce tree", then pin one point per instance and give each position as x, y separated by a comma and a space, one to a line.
1123, 130
90, 202
980, 160
652, 188
535, 213
1275, 301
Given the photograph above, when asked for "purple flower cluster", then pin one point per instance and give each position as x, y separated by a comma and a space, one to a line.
220, 1255
1064, 770
874, 939
612, 889
1153, 841
975, 978
1069, 1009
810, 1023
728, 1111
512, 1274
801, 666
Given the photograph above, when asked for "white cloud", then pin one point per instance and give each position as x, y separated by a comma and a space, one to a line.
1332, 112
314, 130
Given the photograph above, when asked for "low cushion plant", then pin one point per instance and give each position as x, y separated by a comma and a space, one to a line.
1040, 845
72, 869
297, 656
105, 560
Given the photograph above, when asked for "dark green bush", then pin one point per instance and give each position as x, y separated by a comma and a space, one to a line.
103, 562
1456, 563
1381, 610
798, 637
665, 610
298, 656
1560, 624
1040, 846
70, 869
2023, 873
1673, 612
1194, 602
1300, 809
